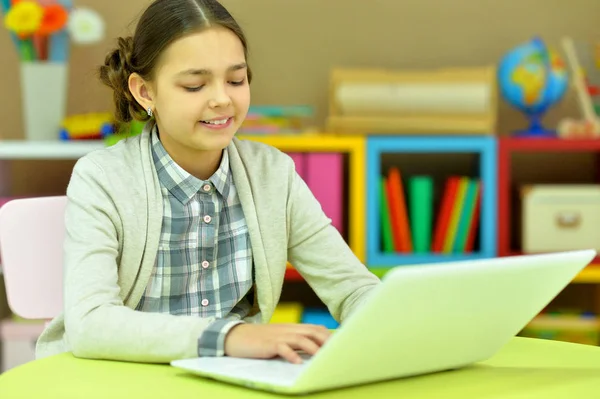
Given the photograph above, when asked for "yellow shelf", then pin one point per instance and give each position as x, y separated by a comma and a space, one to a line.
352, 145
309, 142
589, 275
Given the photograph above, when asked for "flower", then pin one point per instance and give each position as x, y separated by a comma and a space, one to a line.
54, 19
24, 18
85, 26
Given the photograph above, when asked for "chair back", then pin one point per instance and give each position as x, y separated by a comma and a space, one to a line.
32, 232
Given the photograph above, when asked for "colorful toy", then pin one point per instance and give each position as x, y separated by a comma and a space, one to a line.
533, 78
589, 127
130, 129
91, 126
277, 119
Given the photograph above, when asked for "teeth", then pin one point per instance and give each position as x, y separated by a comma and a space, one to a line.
221, 122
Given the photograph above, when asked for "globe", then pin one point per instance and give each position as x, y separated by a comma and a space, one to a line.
533, 78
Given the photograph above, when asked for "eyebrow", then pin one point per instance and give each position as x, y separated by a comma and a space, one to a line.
232, 68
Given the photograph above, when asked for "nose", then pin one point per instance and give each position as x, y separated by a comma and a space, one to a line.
220, 97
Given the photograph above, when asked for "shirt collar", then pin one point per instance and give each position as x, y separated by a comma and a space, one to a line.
179, 182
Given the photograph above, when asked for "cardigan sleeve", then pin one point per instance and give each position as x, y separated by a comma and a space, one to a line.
318, 251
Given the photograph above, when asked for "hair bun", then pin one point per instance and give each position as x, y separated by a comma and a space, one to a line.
115, 74
124, 52
118, 62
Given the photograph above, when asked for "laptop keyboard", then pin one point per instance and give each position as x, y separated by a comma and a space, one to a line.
277, 371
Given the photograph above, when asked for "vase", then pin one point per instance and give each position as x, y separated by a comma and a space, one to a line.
44, 96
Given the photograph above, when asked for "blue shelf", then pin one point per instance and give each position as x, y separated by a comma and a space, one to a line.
386, 261
485, 147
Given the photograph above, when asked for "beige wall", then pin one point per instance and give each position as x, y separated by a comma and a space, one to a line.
295, 42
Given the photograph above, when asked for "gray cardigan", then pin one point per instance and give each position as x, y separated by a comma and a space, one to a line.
113, 220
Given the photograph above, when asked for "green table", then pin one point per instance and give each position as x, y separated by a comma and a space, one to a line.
525, 368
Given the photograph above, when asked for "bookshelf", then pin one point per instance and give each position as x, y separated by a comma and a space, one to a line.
351, 147
524, 161
475, 157
354, 149
516, 155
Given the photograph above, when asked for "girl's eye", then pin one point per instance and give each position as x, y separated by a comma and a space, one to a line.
238, 82
193, 89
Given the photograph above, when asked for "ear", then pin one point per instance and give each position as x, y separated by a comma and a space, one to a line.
141, 90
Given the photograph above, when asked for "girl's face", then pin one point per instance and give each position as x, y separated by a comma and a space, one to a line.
200, 92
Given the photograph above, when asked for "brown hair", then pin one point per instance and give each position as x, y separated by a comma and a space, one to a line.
163, 22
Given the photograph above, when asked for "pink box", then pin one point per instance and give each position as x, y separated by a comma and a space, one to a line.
325, 178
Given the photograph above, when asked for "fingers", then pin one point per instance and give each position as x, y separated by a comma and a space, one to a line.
306, 328
267, 341
292, 343
305, 344
317, 328
285, 351
319, 334
305, 337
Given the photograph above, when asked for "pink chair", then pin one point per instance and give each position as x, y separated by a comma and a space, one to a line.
32, 232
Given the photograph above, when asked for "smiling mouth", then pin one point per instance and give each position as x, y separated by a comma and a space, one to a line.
216, 122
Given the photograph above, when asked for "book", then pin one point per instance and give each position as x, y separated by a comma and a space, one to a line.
421, 212
399, 214
444, 213
455, 215
466, 216
386, 228
473, 228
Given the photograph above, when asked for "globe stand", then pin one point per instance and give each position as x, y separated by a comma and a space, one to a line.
536, 129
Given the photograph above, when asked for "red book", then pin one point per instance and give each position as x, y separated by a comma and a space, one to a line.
474, 224
398, 212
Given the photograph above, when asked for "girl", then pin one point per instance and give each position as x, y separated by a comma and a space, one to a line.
177, 239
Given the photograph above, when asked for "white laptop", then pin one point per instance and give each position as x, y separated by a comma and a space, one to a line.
421, 319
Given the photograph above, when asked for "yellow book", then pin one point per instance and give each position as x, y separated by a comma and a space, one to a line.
456, 213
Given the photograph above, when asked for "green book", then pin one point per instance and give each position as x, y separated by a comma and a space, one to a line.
420, 205
384, 212
466, 215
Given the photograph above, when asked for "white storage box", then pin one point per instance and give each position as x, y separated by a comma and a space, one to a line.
560, 217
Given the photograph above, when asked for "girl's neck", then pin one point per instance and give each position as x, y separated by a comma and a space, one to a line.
201, 164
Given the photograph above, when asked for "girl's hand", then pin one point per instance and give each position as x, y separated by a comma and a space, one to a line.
264, 341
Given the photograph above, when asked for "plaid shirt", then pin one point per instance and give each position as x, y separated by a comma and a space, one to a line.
204, 262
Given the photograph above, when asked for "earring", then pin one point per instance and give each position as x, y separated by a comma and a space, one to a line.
149, 111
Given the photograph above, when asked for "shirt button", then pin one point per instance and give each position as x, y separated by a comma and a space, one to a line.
205, 264
205, 302
206, 187
207, 219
